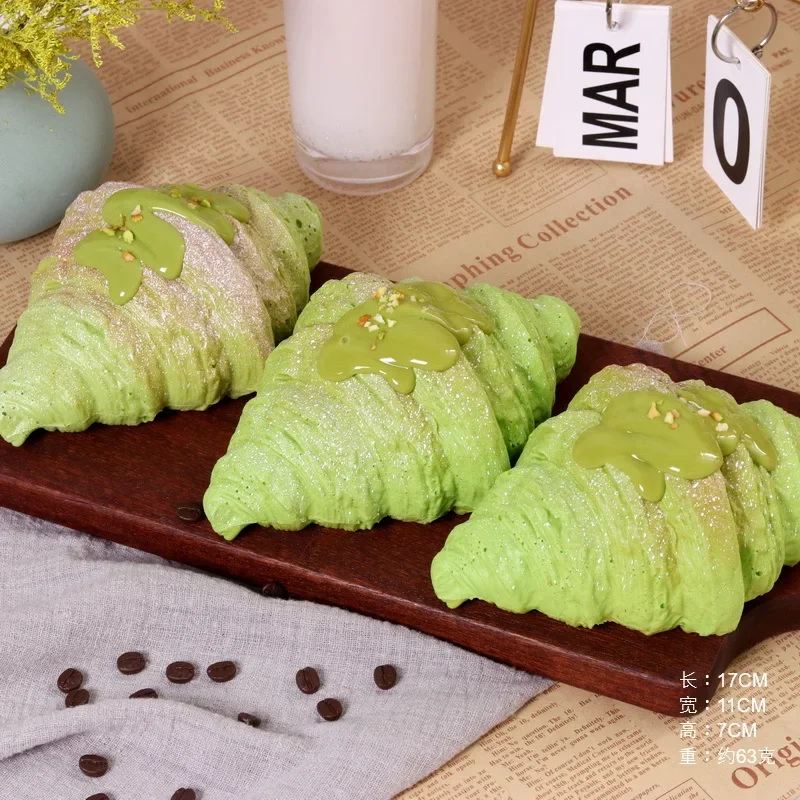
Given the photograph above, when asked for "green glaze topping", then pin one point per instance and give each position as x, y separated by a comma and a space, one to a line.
731, 426
649, 434
413, 325
135, 237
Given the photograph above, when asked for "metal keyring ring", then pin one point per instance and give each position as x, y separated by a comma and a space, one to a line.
610, 24
758, 49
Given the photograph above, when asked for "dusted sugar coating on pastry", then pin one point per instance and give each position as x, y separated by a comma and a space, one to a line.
338, 437
139, 310
783, 431
648, 503
286, 241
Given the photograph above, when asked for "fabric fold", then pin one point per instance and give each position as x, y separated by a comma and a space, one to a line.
69, 600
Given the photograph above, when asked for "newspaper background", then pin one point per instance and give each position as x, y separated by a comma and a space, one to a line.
663, 262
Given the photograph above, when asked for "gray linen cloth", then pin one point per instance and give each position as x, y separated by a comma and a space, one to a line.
70, 600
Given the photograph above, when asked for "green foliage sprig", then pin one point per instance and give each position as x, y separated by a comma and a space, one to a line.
34, 35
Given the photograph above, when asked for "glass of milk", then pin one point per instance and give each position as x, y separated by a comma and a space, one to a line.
362, 80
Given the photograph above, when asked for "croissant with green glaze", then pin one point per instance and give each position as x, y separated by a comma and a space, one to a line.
648, 503
400, 401
154, 299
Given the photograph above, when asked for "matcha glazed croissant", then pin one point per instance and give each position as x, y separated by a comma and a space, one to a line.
403, 400
156, 299
648, 503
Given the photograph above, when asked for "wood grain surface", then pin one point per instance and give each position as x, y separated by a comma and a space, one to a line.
125, 483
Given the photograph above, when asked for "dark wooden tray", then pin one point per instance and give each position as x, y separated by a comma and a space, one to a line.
124, 484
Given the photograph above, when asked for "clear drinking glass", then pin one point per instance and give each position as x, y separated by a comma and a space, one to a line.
362, 80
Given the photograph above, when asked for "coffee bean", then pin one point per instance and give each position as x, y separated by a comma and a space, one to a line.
131, 663
70, 679
385, 676
307, 680
144, 693
329, 709
184, 794
274, 589
101, 796
77, 697
93, 766
222, 671
191, 512
180, 672
249, 719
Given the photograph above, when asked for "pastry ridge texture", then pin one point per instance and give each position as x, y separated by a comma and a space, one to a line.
583, 546
346, 454
77, 358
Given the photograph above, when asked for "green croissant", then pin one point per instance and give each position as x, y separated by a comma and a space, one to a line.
583, 545
348, 452
156, 299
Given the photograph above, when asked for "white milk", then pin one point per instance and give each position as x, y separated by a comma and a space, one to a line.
362, 75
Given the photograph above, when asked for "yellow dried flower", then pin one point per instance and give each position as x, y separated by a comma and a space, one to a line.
34, 35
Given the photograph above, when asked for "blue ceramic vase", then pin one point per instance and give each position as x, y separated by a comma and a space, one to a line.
47, 158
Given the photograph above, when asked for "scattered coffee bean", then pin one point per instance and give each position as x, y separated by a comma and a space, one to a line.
180, 672
385, 676
184, 794
222, 671
329, 709
131, 663
274, 589
249, 719
307, 680
191, 512
77, 697
93, 766
70, 679
101, 796
144, 693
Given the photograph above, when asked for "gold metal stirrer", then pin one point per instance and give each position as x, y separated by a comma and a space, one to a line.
502, 164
